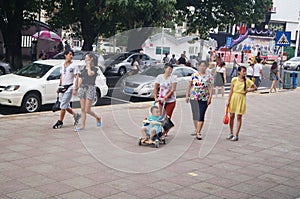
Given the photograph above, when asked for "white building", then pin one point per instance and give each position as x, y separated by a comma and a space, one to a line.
157, 45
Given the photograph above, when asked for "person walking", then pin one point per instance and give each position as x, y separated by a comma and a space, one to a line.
237, 100
87, 90
274, 76
166, 58
199, 93
33, 50
135, 67
173, 59
258, 73
220, 78
250, 72
234, 67
164, 90
68, 73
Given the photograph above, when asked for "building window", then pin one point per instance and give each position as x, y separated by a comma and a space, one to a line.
165, 50
26, 41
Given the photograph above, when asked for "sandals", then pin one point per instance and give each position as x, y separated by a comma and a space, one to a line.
198, 136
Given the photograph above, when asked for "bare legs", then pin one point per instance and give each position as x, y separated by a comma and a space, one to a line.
273, 86
86, 105
152, 133
239, 123
63, 113
217, 90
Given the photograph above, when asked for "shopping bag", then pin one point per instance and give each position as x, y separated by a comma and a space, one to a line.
56, 105
226, 118
167, 124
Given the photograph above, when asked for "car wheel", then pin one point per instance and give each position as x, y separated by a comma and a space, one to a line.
298, 68
118, 51
98, 96
31, 103
122, 71
2, 71
103, 51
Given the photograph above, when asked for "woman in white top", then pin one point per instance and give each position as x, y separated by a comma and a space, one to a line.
220, 78
250, 72
135, 67
164, 90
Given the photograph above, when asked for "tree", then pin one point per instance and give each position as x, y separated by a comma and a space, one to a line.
207, 14
90, 18
15, 15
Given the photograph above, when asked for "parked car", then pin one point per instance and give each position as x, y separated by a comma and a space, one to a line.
292, 64
36, 84
107, 47
79, 55
142, 84
120, 64
4, 68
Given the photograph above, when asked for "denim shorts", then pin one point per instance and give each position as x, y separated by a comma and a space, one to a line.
65, 98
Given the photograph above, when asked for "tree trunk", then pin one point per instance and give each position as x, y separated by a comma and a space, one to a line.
87, 27
12, 41
11, 32
137, 37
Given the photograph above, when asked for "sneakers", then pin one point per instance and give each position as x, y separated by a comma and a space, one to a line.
198, 137
76, 117
58, 124
230, 136
234, 138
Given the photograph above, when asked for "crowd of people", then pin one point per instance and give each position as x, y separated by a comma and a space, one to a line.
199, 91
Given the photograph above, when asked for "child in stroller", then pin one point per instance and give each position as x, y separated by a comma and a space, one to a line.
152, 128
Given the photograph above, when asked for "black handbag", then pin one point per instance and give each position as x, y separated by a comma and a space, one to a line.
56, 106
167, 124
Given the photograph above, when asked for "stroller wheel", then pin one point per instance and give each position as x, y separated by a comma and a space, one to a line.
140, 141
156, 143
164, 141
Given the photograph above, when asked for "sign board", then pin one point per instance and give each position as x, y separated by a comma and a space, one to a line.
228, 41
283, 38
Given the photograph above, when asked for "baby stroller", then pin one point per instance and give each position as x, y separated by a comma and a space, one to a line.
158, 138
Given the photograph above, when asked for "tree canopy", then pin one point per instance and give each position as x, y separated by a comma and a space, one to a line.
202, 15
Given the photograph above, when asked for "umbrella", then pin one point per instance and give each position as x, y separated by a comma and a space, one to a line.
47, 35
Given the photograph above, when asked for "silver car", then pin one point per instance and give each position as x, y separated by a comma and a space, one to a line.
120, 64
4, 68
292, 64
142, 84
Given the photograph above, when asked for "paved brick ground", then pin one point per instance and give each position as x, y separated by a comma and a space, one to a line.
39, 162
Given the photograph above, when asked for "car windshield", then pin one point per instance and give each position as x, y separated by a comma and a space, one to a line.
153, 71
34, 70
118, 57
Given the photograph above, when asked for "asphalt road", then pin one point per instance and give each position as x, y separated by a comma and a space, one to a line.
115, 96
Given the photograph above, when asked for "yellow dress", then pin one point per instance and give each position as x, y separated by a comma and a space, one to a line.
238, 99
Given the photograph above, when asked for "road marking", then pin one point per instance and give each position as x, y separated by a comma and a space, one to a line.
117, 99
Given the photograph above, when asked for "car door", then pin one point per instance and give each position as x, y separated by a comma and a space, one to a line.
186, 75
51, 85
180, 83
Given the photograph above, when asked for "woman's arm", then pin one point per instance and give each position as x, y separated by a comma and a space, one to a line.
170, 93
224, 76
230, 93
187, 92
155, 91
211, 87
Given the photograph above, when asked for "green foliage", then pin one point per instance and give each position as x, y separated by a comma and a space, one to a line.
207, 14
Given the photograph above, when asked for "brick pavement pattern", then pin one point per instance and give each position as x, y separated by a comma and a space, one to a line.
37, 161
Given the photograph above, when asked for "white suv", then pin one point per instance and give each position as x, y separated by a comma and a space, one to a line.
36, 84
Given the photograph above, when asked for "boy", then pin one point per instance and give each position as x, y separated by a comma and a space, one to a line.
152, 125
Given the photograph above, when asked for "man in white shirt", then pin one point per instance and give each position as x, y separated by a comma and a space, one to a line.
68, 73
258, 73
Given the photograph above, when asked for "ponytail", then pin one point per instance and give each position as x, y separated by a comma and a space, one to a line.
245, 85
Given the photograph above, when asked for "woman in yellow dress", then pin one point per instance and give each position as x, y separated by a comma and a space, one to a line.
240, 85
